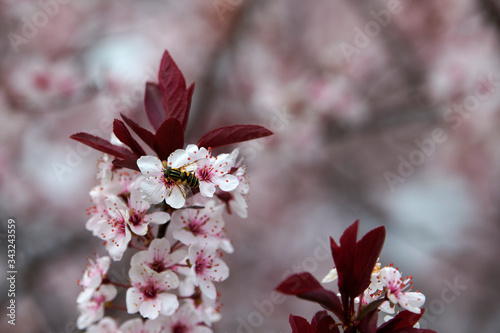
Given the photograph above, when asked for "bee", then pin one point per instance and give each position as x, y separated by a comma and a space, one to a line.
187, 178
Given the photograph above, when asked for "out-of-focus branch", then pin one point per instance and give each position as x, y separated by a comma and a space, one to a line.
206, 89
491, 11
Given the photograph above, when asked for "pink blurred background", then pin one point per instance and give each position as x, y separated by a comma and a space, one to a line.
387, 111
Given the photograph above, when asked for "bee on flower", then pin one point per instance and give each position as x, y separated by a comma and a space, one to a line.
170, 180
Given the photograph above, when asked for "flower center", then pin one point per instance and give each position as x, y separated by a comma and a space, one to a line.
205, 173
157, 266
202, 265
135, 219
150, 291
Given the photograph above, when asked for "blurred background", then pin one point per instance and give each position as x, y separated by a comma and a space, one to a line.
387, 111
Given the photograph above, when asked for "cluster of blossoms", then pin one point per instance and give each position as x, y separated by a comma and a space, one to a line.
171, 282
365, 289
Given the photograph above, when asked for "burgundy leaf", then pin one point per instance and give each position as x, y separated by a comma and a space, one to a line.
129, 163
173, 89
369, 322
189, 97
123, 134
143, 133
343, 257
300, 325
305, 286
367, 252
324, 323
403, 320
153, 105
169, 137
355, 261
232, 134
102, 145
317, 317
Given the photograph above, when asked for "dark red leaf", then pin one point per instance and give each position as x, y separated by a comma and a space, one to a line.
189, 97
403, 320
305, 286
129, 163
102, 145
369, 322
173, 89
153, 105
123, 134
317, 317
324, 323
232, 134
169, 137
343, 257
367, 252
143, 133
300, 325
355, 261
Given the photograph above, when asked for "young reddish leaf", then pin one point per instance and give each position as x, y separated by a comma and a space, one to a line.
343, 257
327, 325
367, 252
169, 137
317, 317
404, 320
102, 145
305, 286
153, 105
369, 322
355, 260
300, 325
129, 163
173, 89
123, 134
143, 133
189, 97
232, 134
324, 323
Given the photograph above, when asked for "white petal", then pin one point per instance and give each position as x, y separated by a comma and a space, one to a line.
226, 182
132, 326
207, 287
176, 198
138, 258
178, 158
226, 246
168, 303
140, 229
150, 308
219, 271
134, 300
331, 276
177, 257
157, 217
150, 165
115, 205
137, 202
137, 274
207, 189
184, 236
153, 189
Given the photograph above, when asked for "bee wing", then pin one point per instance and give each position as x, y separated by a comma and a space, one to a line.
192, 166
187, 193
